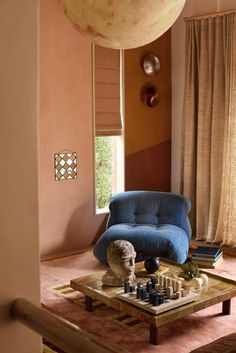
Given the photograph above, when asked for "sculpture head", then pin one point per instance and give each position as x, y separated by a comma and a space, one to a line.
121, 258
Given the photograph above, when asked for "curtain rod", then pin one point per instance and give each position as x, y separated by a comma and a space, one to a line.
212, 14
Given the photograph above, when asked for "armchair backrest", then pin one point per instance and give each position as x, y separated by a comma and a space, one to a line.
150, 207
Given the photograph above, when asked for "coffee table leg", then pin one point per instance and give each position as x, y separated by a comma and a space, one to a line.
226, 306
154, 338
88, 303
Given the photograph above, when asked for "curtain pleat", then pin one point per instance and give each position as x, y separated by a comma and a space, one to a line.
208, 140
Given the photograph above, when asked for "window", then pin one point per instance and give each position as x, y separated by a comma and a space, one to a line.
109, 175
109, 141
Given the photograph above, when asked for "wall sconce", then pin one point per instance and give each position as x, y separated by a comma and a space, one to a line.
65, 165
150, 96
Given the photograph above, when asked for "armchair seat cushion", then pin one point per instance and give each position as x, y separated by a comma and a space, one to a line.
167, 240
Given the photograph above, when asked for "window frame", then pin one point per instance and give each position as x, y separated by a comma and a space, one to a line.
122, 135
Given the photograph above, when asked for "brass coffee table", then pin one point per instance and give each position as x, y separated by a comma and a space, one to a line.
219, 290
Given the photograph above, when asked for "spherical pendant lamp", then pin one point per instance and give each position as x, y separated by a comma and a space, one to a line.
122, 24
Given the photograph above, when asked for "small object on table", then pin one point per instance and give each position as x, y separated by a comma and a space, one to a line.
121, 259
151, 297
127, 287
156, 300
178, 286
149, 286
154, 281
143, 273
174, 284
169, 291
152, 264
204, 278
161, 298
192, 276
197, 282
143, 294
138, 292
189, 271
178, 295
132, 289
174, 296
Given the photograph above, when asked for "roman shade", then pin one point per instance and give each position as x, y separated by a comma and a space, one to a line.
107, 91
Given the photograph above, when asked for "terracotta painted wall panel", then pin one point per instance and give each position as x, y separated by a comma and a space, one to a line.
146, 128
149, 168
67, 219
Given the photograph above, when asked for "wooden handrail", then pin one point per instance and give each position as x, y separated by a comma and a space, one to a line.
58, 331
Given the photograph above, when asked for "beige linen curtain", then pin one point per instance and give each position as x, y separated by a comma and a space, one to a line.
209, 128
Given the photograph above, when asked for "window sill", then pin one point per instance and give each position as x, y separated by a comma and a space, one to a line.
100, 211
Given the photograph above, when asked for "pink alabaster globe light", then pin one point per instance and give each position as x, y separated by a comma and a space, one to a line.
122, 24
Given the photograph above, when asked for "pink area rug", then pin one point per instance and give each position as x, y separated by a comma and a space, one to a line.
180, 336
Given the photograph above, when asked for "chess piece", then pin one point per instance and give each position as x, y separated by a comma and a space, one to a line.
149, 286
121, 259
143, 294
204, 278
126, 287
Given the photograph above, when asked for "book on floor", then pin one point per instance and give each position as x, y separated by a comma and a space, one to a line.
207, 251
208, 259
208, 264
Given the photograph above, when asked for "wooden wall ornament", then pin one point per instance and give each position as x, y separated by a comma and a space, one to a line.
150, 96
122, 25
151, 65
65, 165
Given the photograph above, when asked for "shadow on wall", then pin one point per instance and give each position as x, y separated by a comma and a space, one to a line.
79, 229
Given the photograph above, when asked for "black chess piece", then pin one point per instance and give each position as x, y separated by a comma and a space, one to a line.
132, 289
126, 287
143, 294
154, 281
152, 297
156, 300
161, 298
149, 286
139, 289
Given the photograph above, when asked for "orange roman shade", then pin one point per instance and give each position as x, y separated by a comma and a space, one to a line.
107, 91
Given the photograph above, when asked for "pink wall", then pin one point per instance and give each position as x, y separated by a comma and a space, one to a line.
19, 249
67, 219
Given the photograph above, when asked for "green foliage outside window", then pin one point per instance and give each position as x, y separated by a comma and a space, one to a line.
103, 171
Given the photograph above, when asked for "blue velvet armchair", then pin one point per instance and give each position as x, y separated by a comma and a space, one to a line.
156, 223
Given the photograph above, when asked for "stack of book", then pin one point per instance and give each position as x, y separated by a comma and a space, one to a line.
207, 257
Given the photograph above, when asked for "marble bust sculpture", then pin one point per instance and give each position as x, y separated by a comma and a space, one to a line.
121, 259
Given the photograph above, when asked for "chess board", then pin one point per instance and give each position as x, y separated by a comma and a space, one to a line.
170, 304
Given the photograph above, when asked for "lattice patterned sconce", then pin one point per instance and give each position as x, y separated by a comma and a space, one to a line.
65, 165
